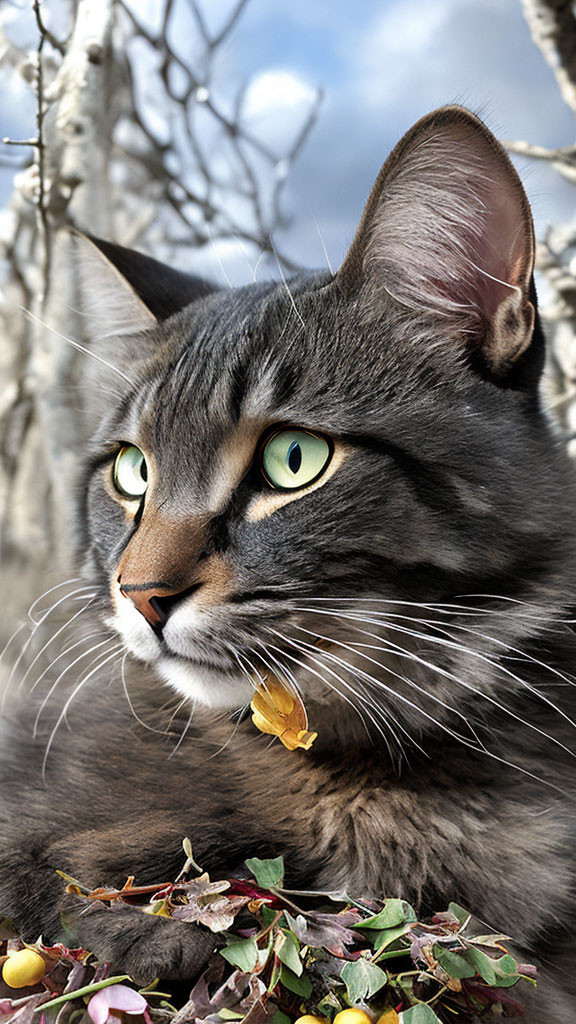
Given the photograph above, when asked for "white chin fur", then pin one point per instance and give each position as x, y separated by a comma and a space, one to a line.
207, 686
210, 686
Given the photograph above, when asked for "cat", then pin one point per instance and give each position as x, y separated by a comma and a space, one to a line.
347, 481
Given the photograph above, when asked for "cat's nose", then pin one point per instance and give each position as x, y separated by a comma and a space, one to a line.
155, 600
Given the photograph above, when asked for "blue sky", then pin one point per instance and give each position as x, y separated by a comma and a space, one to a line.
382, 63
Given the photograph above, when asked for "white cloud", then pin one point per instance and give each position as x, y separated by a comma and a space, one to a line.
406, 49
407, 27
275, 90
275, 107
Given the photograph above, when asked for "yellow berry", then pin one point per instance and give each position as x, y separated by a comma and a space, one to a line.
26, 967
309, 1018
352, 1016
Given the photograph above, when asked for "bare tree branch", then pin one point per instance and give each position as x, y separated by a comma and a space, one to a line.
552, 25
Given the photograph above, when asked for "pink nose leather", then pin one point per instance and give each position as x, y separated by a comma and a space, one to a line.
143, 597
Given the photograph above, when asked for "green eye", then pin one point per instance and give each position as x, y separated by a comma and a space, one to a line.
130, 472
294, 458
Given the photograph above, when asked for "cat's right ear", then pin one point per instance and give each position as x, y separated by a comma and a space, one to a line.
123, 292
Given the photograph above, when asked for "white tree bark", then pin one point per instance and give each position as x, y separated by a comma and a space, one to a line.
553, 28
41, 422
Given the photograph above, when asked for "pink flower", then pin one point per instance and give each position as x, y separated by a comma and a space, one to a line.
111, 1003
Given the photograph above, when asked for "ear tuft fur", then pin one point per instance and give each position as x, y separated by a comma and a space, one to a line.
447, 232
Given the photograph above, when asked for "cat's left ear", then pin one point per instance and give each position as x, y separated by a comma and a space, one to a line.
447, 232
122, 291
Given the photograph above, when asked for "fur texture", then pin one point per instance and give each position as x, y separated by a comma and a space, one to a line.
419, 592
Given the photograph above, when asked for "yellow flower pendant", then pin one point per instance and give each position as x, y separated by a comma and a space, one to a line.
280, 712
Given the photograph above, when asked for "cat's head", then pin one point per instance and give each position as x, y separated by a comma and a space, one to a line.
302, 476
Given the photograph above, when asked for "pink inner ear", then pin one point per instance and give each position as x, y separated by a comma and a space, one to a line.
453, 233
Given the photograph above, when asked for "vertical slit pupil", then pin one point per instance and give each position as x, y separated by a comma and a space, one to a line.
294, 457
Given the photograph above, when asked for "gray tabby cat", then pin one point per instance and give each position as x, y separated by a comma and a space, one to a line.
347, 481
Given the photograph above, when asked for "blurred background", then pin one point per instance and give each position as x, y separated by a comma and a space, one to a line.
380, 65
239, 140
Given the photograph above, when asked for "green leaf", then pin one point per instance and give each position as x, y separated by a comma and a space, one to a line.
420, 1014
460, 914
381, 940
268, 873
288, 951
275, 975
280, 1018
393, 914
508, 980
301, 986
506, 965
362, 979
506, 970
329, 1005
483, 964
453, 963
242, 954
86, 990
226, 1014
268, 916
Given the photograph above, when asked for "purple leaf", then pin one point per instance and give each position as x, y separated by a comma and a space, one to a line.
328, 930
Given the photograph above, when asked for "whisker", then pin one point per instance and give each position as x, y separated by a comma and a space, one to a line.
184, 732
51, 640
63, 583
443, 608
357, 710
218, 260
54, 686
322, 242
371, 705
371, 680
289, 676
373, 709
287, 286
23, 625
386, 616
401, 678
251, 668
174, 715
452, 644
64, 711
89, 636
140, 721
401, 652
483, 750
570, 680
76, 345
29, 641
241, 709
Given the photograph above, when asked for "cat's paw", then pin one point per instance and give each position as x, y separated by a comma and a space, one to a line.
141, 945
30, 889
